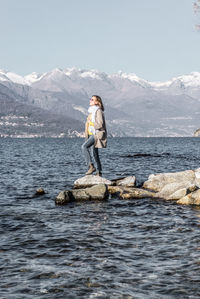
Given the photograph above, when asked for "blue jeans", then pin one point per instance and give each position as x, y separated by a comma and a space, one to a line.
86, 152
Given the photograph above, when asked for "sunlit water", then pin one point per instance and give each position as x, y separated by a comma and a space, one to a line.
112, 249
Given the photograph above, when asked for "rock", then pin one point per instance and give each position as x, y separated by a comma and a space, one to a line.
191, 199
156, 182
80, 194
181, 186
177, 194
137, 193
192, 188
170, 189
128, 181
128, 192
175, 191
99, 192
197, 177
64, 197
90, 180
39, 192
197, 133
182, 192
115, 189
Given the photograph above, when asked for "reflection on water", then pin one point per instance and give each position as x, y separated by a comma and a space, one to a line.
112, 249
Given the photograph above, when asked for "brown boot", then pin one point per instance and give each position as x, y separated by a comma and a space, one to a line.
91, 169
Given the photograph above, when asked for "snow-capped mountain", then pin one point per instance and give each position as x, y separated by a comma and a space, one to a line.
134, 106
74, 74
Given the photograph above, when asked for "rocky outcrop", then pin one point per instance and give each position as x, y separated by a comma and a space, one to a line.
92, 187
183, 187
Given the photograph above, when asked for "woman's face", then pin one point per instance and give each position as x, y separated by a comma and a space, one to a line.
92, 101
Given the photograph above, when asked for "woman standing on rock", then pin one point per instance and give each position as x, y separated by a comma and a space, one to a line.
95, 134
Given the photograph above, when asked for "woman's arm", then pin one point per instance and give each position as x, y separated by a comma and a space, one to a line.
99, 120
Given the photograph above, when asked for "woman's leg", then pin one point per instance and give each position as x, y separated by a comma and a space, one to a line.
97, 159
85, 149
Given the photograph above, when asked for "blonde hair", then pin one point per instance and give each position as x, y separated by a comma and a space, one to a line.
99, 102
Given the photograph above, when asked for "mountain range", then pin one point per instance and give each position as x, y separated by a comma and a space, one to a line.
54, 104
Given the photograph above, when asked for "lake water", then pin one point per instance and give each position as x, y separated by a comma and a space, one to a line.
112, 249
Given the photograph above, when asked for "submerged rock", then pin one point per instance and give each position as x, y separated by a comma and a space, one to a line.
39, 192
90, 180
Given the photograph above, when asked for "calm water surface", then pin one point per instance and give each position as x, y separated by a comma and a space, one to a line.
112, 249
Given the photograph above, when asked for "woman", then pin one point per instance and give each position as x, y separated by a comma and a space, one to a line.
95, 133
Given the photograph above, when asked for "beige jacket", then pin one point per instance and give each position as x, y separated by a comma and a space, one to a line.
100, 129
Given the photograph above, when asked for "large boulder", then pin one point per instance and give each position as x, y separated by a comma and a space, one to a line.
98, 192
80, 194
156, 182
191, 199
90, 180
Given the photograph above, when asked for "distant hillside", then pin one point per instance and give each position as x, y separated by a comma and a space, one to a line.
19, 118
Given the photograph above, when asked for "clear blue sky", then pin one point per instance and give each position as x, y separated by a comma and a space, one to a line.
155, 39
